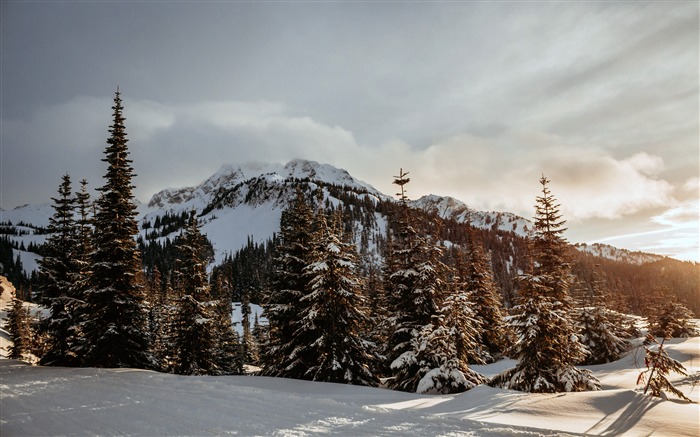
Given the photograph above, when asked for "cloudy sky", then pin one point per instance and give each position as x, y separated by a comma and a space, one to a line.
475, 99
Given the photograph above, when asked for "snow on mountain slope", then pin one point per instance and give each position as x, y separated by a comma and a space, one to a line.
451, 208
26, 222
229, 176
245, 202
88, 401
613, 253
36, 215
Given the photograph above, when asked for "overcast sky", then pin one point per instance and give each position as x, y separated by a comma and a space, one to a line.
475, 99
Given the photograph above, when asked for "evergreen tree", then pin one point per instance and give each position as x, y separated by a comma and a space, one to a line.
116, 332
228, 354
447, 347
290, 285
443, 370
546, 344
486, 299
414, 292
658, 366
458, 314
332, 313
56, 275
19, 328
597, 331
194, 335
259, 334
81, 261
672, 320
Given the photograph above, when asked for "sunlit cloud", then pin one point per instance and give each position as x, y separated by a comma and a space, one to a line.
677, 234
685, 215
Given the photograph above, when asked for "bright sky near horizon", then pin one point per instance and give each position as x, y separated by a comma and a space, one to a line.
475, 99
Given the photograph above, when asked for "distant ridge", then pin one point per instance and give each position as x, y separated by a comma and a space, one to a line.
246, 200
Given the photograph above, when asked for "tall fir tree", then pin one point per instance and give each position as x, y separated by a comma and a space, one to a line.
459, 315
447, 345
80, 277
546, 345
492, 337
57, 272
415, 288
228, 353
116, 332
195, 339
333, 312
289, 286
249, 346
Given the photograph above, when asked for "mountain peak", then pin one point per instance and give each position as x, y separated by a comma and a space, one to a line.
230, 175
451, 208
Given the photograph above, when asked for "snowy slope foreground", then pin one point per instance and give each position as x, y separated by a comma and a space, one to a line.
69, 401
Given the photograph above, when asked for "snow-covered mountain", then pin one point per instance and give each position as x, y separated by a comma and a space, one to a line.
623, 255
230, 177
242, 202
451, 208
245, 202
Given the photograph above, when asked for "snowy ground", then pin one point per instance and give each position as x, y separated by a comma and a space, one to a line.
69, 401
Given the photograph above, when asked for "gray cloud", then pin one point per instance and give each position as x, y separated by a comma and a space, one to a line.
476, 99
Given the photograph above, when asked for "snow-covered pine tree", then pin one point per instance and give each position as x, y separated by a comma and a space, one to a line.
290, 285
228, 352
460, 313
443, 370
414, 291
597, 331
333, 312
57, 272
546, 345
672, 320
405, 320
492, 336
658, 366
115, 332
448, 345
194, 337
259, 334
81, 261
84, 232
19, 328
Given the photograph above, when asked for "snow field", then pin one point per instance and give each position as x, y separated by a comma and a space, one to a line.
63, 401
